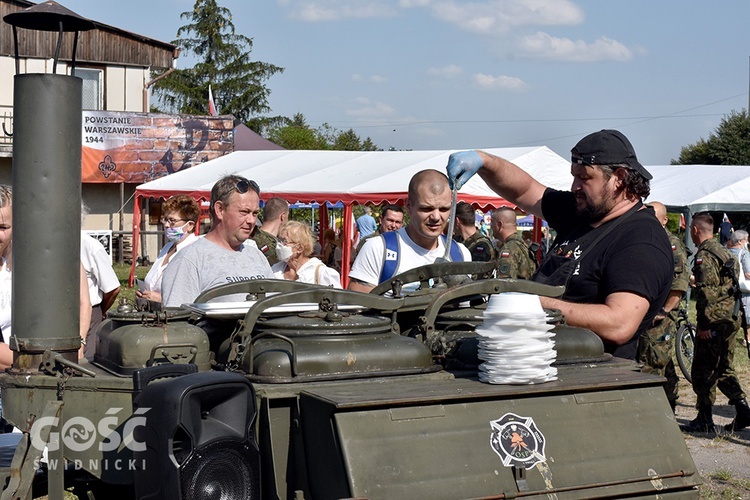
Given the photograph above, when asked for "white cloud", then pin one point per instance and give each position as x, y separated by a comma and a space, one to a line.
333, 10
372, 78
495, 17
365, 108
544, 46
500, 82
414, 3
450, 71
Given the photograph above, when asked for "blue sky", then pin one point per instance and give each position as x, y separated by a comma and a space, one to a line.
452, 74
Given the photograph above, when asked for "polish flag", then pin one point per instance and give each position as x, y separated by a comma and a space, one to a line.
211, 106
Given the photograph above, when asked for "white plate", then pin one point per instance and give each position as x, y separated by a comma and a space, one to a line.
515, 301
488, 316
515, 380
231, 310
519, 346
514, 339
516, 333
529, 360
518, 372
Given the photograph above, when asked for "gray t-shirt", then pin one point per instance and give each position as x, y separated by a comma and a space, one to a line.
205, 265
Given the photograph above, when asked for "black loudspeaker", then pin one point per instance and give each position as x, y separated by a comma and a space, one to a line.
198, 436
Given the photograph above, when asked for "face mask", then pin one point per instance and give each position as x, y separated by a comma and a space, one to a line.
175, 234
283, 252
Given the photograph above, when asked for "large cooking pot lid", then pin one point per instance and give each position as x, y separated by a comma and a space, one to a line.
169, 314
325, 323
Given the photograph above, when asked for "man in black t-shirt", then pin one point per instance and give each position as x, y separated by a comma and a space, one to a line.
611, 253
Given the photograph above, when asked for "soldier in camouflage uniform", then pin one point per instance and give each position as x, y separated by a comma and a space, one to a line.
656, 345
716, 335
514, 260
466, 232
275, 211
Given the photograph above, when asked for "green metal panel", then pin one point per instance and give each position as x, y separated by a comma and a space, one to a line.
122, 349
611, 441
95, 399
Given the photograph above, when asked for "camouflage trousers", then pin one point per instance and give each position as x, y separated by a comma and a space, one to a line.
713, 366
655, 350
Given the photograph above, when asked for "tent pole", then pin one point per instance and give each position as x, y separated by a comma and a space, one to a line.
323, 221
537, 236
346, 243
136, 233
120, 245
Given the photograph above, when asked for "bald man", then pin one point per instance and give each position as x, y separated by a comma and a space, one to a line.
418, 244
656, 344
513, 256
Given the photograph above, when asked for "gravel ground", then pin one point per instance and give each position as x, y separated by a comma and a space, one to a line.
723, 459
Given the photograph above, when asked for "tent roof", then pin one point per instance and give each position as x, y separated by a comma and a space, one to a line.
245, 139
383, 176
697, 188
349, 176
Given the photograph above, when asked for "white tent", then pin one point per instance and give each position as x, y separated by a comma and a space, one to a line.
696, 188
383, 176
347, 176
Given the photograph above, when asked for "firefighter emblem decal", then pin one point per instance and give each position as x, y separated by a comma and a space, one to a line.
517, 441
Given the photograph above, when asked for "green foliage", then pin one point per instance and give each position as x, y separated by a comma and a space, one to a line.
237, 82
673, 224
729, 144
296, 133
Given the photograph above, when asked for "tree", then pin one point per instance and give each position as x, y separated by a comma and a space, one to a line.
237, 83
729, 144
297, 134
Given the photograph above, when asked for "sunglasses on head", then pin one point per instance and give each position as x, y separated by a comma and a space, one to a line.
243, 186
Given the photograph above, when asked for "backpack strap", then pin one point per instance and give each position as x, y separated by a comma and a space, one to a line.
723, 264
456, 254
317, 273
391, 256
533, 249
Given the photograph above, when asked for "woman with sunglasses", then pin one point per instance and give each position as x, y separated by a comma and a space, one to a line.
296, 263
180, 218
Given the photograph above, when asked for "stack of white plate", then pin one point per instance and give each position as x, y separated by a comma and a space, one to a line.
515, 341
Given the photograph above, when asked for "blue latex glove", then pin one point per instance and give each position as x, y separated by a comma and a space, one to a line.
461, 166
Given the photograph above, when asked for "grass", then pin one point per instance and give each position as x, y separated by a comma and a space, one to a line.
123, 274
722, 475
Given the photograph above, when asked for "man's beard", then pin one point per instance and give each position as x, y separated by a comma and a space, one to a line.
592, 213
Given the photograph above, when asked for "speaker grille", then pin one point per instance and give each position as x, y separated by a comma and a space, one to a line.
222, 470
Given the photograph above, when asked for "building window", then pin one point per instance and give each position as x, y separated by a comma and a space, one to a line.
92, 87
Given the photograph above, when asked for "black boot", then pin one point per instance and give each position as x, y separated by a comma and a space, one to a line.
742, 419
703, 423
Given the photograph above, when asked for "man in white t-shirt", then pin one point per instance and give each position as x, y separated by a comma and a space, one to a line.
103, 286
419, 243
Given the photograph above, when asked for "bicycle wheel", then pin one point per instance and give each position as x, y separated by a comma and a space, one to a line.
685, 348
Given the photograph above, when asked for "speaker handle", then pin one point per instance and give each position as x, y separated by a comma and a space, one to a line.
144, 376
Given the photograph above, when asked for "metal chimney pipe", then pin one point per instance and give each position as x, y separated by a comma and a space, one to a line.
46, 217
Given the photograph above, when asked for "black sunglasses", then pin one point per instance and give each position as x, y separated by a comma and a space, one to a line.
243, 186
